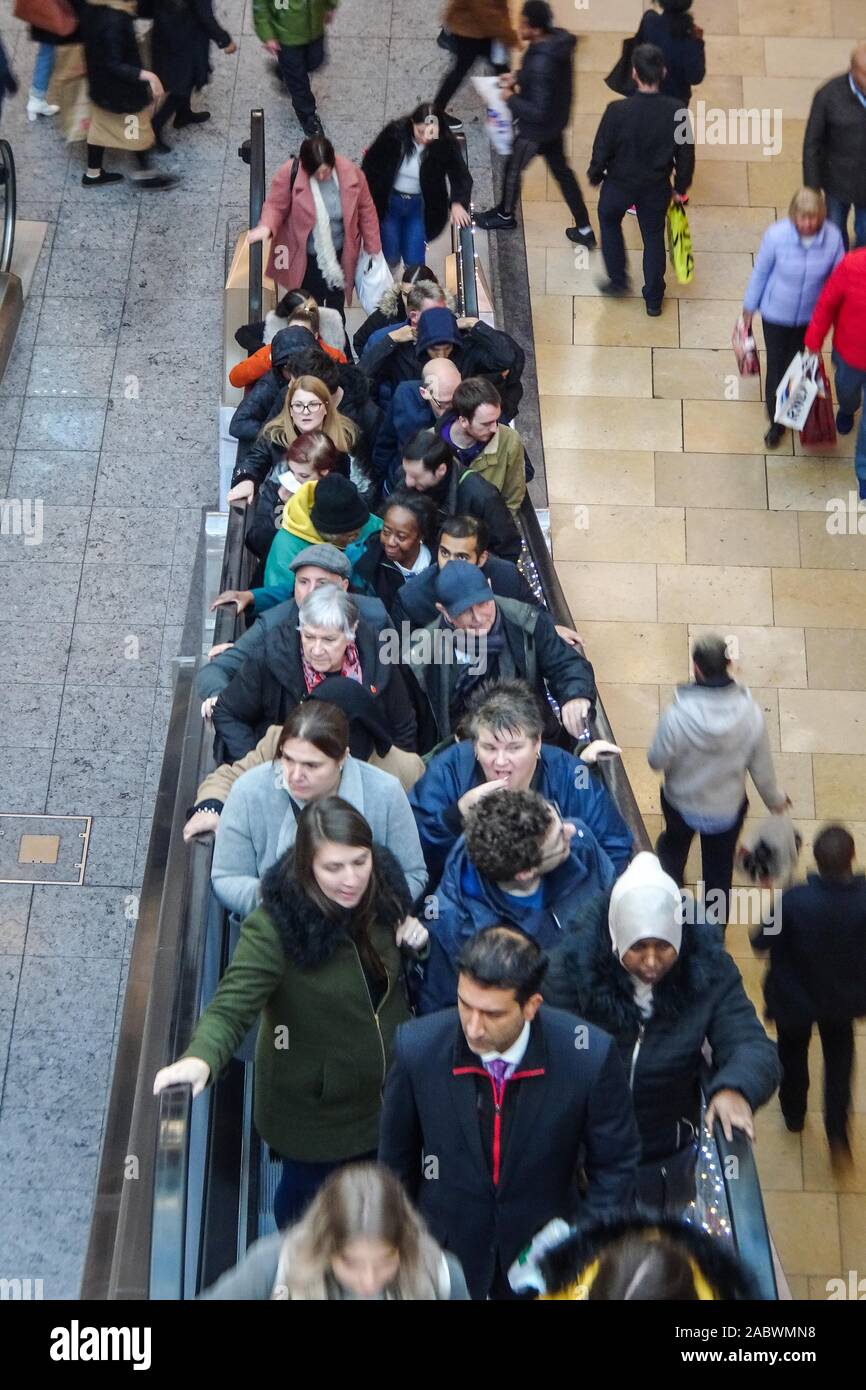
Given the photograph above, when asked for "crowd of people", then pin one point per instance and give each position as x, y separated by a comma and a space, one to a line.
483, 1016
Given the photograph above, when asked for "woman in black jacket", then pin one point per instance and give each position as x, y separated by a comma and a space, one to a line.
681, 41
402, 549
417, 178
660, 989
183, 31
122, 93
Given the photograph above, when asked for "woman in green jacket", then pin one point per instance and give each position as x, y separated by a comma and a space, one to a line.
294, 32
320, 961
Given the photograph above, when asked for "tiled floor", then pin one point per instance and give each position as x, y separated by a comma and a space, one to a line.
690, 526
109, 413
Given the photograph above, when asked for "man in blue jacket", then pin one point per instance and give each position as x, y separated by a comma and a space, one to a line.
517, 862
414, 406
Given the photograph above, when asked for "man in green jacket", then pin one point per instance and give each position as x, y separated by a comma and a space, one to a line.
294, 31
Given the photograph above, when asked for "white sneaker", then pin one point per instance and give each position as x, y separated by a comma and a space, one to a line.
38, 106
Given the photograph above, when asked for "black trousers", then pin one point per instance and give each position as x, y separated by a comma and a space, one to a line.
173, 105
717, 853
782, 345
552, 152
837, 1044
315, 284
295, 64
466, 54
652, 206
668, 1184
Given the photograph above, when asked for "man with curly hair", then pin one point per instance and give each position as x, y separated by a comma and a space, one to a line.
517, 863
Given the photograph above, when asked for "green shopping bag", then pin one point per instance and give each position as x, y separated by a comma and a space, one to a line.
680, 244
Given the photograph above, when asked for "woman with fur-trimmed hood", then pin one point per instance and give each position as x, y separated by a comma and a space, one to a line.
661, 987
634, 1259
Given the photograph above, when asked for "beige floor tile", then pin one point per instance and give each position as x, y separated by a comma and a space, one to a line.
594, 371
592, 477
536, 269
741, 57
710, 480
806, 484
823, 548
773, 183
848, 18
718, 275
777, 1153
621, 16
709, 323
552, 318
596, 52
719, 91
814, 57
790, 95
818, 1172
714, 594
623, 323
836, 659
637, 653
798, 1286
843, 448
768, 698
607, 533
840, 780
701, 374
717, 16
544, 224
805, 17
794, 773
823, 721
592, 421
644, 782
534, 185
633, 711
738, 537
721, 185
764, 656
591, 95
819, 598
805, 1229
724, 427
721, 228
852, 1224
614, 592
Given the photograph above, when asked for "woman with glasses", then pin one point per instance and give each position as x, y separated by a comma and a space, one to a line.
319, 216
260, 818
320, 961
503, 751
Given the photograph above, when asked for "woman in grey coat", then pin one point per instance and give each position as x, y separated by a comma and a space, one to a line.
259, 820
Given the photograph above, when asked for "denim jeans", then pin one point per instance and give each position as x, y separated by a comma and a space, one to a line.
850, 384
837, 211
403, 230
299, 1184
42, 69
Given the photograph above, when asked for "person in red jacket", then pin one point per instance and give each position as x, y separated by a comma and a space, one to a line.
842, 306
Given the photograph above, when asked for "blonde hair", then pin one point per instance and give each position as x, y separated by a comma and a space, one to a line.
360, 1201
341, 431
808, 202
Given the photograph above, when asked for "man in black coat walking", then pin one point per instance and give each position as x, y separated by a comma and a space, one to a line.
542, 109
817, 974
183, 31
492, 1109
639, 142
834, 146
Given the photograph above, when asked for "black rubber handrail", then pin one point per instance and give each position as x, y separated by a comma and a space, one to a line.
10, 210
748, 1219
257, 198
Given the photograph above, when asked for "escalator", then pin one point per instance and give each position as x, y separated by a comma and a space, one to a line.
11, 289
183, 1189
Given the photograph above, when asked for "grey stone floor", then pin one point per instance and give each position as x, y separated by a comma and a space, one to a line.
127, 302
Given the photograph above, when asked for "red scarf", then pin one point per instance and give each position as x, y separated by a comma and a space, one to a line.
351, 668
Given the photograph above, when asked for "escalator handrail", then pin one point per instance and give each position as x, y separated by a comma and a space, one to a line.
7, 168
746, 1213
257, 198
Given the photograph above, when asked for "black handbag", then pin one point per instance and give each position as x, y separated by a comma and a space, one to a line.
445, 39
619, 78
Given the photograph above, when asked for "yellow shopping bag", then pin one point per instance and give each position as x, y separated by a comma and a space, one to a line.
680, 244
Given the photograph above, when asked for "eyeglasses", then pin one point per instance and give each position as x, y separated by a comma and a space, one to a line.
306, 407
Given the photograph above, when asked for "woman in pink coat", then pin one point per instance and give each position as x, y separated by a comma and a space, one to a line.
319, 215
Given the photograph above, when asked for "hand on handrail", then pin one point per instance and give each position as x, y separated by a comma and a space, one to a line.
190, 1071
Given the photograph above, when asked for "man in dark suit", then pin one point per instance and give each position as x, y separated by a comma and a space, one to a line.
492, 1109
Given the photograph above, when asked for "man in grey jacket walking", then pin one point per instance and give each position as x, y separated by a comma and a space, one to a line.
705, 743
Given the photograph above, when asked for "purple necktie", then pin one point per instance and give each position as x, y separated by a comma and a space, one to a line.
497, 1069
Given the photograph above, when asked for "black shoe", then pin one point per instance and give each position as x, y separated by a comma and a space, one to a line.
452, 123
841, 1157
794, 1123
586, 239
775, 434
103, 179
614, 291
191, 118
313, 127
496, 221
160, 144
654, 311
156, 181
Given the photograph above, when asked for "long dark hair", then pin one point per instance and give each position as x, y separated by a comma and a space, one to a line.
422, 508
422, 112
332, 820
323, 725
677, 12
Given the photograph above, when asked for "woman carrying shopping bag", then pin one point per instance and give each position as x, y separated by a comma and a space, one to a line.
417, 179
794, 260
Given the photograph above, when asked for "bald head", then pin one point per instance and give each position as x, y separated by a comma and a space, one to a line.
858, 66
440, 379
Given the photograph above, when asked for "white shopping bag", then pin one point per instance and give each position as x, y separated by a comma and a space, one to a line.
500, 127
372, 279
797, 391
